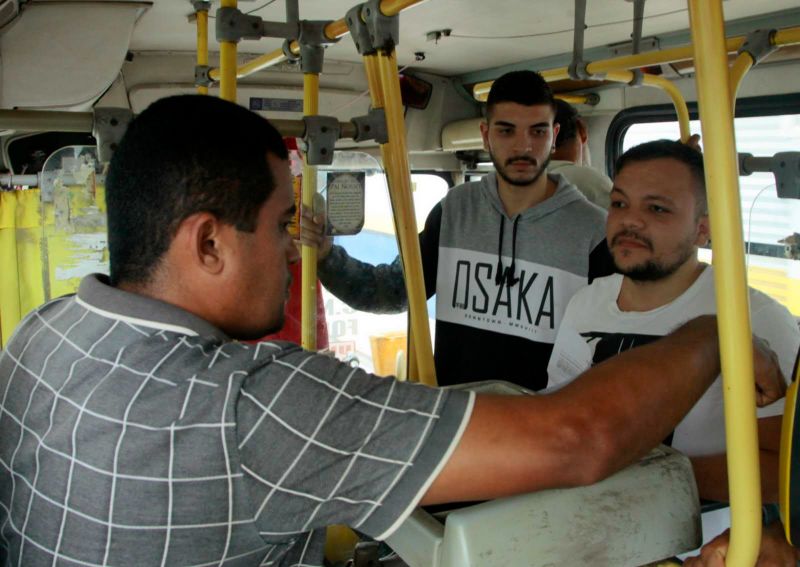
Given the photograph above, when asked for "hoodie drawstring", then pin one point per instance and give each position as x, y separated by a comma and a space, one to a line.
507, 274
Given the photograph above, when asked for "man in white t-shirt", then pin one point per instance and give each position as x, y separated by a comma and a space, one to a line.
657, 220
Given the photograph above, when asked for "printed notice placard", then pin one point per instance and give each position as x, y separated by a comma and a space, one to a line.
345, 206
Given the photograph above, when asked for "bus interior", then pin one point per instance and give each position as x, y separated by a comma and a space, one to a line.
74, 72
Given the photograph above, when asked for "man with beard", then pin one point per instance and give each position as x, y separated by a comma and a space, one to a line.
657, 220
503, 255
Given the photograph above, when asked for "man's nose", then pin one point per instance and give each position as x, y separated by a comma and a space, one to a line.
523, 142
631, 218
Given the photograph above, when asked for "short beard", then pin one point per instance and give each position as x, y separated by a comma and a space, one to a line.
519, 182
652, 271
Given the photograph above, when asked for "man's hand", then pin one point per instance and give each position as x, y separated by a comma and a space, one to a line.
312, 233
775, 550
694, 142
770, 383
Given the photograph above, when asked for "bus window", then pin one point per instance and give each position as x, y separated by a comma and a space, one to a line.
369, 340
766, 219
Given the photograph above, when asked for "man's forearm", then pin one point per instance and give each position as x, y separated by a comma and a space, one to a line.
362, 286
607, 418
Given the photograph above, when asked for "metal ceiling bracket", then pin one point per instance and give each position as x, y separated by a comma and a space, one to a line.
234, 25
758, 44
320, 138
201, 5
638, 78
358, 31
291, 56
577, 67
384, 31
311, 39
109, 125
638, 21
371, 126
202, 77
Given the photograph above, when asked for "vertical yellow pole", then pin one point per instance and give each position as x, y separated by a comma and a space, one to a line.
382, 74
201, 17
308, 316
713, 89
227, 62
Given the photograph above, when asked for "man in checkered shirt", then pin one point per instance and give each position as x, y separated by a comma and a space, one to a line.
136, 429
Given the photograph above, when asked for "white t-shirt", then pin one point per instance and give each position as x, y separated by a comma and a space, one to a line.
594, 329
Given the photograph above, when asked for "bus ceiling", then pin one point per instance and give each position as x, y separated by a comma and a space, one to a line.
90, 43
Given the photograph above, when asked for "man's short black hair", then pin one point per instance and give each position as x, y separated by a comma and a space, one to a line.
184, 155
522, 87
567, 118
678, 151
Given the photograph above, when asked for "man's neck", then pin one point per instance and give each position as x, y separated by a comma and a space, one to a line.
518, 198
648, 295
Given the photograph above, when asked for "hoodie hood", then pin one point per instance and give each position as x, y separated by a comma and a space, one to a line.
564, 194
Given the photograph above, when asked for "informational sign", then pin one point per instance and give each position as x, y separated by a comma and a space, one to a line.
345, 204
276, 104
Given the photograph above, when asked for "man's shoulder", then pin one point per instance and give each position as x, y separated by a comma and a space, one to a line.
768, 311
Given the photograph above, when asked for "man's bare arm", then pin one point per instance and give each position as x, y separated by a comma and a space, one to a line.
611, 416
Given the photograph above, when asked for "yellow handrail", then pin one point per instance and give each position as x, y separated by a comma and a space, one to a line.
227, 63
333, 30
382, 77
677, 100
623, 76
733, 320
201, 17
788, 36
308, 308
744, 62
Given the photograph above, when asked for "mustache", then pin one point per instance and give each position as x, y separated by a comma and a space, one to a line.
632, 235
525, 159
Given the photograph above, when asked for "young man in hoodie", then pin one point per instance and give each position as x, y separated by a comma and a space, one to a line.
503, 255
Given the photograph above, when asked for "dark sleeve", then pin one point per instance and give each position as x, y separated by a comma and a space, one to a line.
429, 247
380, 289
600, 262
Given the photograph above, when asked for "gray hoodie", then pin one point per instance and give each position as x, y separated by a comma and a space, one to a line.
501, 284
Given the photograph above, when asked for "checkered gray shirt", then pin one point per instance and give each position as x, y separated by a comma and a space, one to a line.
133, 433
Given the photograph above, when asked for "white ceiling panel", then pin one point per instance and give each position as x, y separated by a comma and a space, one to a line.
485, 34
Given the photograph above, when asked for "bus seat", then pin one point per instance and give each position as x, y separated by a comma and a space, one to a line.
645, 513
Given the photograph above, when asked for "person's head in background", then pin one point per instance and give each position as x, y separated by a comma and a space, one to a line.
573, 135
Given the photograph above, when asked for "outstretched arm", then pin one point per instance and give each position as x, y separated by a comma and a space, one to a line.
363, 286
593, 427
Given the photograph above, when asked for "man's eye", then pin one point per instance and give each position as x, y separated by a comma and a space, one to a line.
658, 209
617, 204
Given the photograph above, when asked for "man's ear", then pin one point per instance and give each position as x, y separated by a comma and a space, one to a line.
485, 134
203, 241
556, 128
703, 230
583, 131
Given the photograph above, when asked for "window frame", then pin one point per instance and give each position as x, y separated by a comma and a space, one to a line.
770, 105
